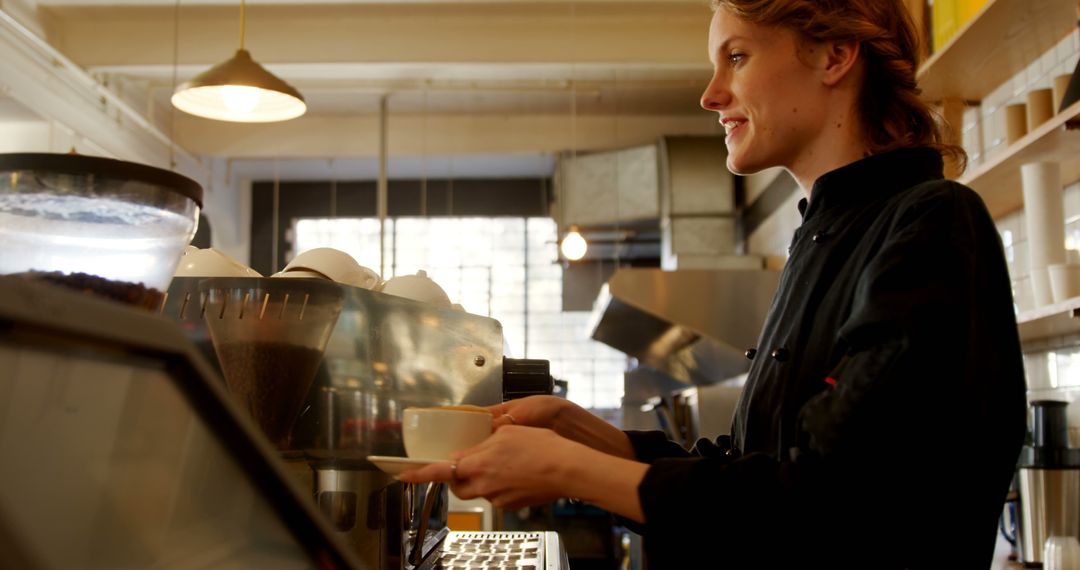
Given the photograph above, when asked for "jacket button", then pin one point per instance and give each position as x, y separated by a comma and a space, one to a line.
819, 237
780, 354
750, 353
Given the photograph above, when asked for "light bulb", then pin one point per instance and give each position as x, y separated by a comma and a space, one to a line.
573, 246
240, 98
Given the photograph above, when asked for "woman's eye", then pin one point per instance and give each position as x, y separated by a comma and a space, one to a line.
736, 57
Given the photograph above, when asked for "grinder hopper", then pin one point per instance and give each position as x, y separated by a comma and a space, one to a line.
269, 336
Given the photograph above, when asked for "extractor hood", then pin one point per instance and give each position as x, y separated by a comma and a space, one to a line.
693, 325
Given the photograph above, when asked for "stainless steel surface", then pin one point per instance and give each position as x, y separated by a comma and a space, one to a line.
354, 502
716, 407
385, 354
434, 492
1049, 506
693, 325
491, 550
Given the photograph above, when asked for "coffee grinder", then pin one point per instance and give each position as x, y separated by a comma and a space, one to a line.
1049, 477
270, 336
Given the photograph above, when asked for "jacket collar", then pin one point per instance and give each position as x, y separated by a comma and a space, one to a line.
874, 177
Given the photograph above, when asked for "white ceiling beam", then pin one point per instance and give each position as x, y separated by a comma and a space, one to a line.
25, 12
52, 87
660, 32
415, 135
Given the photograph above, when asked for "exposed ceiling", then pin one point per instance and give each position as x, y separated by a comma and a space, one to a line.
11, 111
494, 78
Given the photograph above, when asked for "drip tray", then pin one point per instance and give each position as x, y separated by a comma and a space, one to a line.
491, 550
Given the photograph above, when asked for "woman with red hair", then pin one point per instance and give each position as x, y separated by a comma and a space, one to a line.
885, 405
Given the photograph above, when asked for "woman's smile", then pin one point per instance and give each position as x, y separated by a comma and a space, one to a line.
732, 127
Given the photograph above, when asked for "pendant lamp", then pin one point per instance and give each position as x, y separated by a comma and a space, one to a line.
239, 90
574, 246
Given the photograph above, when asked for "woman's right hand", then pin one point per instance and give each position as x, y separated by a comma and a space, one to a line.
566, 419
533, 411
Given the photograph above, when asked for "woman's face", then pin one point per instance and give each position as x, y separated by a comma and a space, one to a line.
766, 91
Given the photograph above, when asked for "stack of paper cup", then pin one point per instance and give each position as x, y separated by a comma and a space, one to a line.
1045, 219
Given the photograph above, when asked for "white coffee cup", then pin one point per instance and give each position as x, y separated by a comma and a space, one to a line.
436, 433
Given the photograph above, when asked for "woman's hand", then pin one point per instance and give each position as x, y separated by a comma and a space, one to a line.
533, 411
521, 466
564, 418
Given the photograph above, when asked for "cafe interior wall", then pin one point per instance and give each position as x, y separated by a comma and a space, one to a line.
1053, 368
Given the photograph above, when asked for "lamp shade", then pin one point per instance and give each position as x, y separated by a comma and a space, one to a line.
239, 90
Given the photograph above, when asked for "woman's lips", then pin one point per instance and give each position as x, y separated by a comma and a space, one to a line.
733, 127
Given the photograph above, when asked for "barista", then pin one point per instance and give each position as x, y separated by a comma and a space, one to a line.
884, 408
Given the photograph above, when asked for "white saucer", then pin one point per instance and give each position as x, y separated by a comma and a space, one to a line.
398, 465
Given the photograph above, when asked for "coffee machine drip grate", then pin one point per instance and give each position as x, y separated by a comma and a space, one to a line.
506, 550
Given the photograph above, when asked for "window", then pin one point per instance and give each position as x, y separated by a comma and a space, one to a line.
502, 268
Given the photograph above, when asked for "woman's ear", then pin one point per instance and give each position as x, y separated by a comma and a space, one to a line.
840, 59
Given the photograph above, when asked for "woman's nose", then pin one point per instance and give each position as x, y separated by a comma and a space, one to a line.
716, 95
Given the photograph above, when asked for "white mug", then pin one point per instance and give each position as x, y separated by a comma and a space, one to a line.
436, 433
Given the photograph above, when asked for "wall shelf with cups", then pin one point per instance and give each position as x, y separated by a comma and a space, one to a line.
998, 179
1057, 320
999, 42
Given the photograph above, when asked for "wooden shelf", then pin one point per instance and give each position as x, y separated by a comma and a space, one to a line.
998, 179
1000, 41
1055, 320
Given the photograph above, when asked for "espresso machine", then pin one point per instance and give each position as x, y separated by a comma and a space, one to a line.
382, 354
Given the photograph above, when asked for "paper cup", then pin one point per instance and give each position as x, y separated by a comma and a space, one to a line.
436, 433
1045, 220
1061, 83
1015, 122
1040, 108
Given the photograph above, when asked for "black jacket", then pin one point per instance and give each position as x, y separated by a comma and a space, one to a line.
885, 407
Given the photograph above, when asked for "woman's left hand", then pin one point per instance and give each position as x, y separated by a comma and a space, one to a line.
522, 466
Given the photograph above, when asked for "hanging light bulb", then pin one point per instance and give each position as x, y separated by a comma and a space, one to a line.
239, 90
573, 245
240, 98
